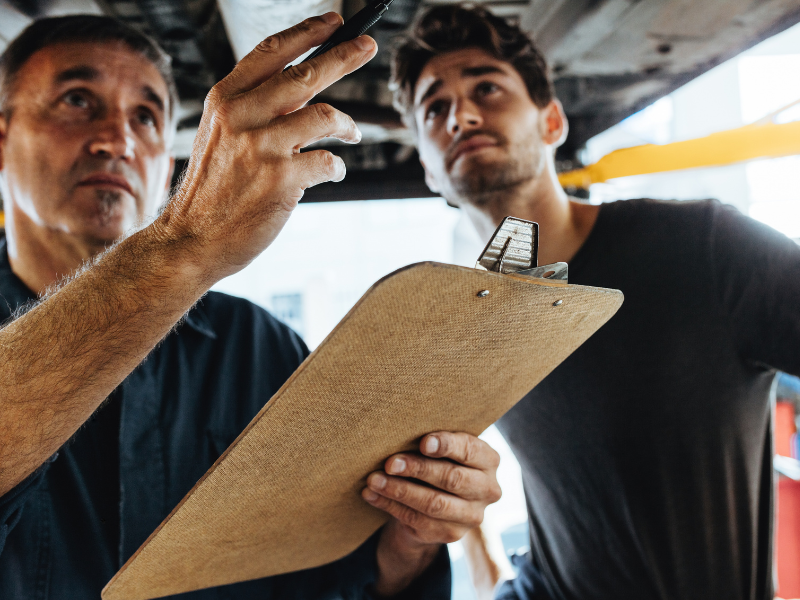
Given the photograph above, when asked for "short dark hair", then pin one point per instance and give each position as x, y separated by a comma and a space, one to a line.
79, 28
443, 29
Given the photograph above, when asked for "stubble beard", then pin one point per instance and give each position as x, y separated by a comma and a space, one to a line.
107, 201
486, 184
108, 205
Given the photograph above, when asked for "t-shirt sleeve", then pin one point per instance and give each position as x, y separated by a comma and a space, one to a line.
13, 502
756, 272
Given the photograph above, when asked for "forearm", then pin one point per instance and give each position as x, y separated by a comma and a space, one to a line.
401, 561
246, 175
61, 359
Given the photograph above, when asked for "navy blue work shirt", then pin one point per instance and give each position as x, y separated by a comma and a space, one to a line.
68, 527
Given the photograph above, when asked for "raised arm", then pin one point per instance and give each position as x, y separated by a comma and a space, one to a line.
245, 177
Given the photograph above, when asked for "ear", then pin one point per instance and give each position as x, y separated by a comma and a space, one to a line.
429, 180
553, 123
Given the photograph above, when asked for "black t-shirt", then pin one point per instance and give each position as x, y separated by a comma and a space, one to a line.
646, 455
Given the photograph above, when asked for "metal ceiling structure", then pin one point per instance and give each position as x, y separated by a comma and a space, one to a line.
610, 59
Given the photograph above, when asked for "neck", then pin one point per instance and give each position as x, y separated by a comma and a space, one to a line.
564, 224
41, 257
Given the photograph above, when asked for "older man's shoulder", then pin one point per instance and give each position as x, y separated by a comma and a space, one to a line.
221, 315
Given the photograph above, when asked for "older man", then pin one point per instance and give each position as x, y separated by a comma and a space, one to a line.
647, 455
87, 120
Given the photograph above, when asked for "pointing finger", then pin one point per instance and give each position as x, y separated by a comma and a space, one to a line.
293, 88
272, 54
313, 123
318, 166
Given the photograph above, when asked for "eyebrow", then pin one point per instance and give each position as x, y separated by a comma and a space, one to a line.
478, 71
465, 72
82, 72
153, 97
432, 89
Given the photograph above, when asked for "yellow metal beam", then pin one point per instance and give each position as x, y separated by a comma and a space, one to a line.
759, 140
2, 219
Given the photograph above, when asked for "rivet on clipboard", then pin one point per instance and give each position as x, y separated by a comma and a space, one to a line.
514, 248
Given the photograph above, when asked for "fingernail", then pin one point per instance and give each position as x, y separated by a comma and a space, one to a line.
398, 466
431, 445
377, 481
369, 495
331, 18
341, 170
364, 43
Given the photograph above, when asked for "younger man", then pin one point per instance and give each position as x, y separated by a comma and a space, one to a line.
647, 455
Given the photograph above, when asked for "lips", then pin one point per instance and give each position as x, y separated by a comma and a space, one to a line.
107, 180
471, 144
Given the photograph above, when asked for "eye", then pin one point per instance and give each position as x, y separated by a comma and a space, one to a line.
76, 98
486, 88
146, 117
435, 109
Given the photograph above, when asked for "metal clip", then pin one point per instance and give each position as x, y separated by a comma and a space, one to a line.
514, 248
557, 271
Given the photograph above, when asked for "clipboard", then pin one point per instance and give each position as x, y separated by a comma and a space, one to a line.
429, 347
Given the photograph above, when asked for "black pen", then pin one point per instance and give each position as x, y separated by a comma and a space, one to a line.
353, 27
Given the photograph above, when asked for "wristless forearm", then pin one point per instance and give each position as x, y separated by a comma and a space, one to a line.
63, 357
400, 564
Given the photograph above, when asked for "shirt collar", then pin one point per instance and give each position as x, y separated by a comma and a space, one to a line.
14, 293
198, 320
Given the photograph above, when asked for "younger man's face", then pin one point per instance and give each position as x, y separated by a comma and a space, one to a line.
478, 129
85, 150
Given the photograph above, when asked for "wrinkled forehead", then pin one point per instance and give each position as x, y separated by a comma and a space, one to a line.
452, 67
113, 64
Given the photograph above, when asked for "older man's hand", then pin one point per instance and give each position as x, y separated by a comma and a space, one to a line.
246, 173
434, 498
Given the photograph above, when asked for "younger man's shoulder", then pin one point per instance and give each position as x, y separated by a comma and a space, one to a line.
646, 219
649, 208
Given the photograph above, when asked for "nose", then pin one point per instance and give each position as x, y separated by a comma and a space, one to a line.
464, 115
112, 138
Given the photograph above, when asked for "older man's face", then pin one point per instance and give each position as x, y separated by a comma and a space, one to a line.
85, 149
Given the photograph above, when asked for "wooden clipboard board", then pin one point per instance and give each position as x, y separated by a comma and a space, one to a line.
425, 349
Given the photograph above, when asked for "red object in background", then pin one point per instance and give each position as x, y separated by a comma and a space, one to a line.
784, 428
787, 532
